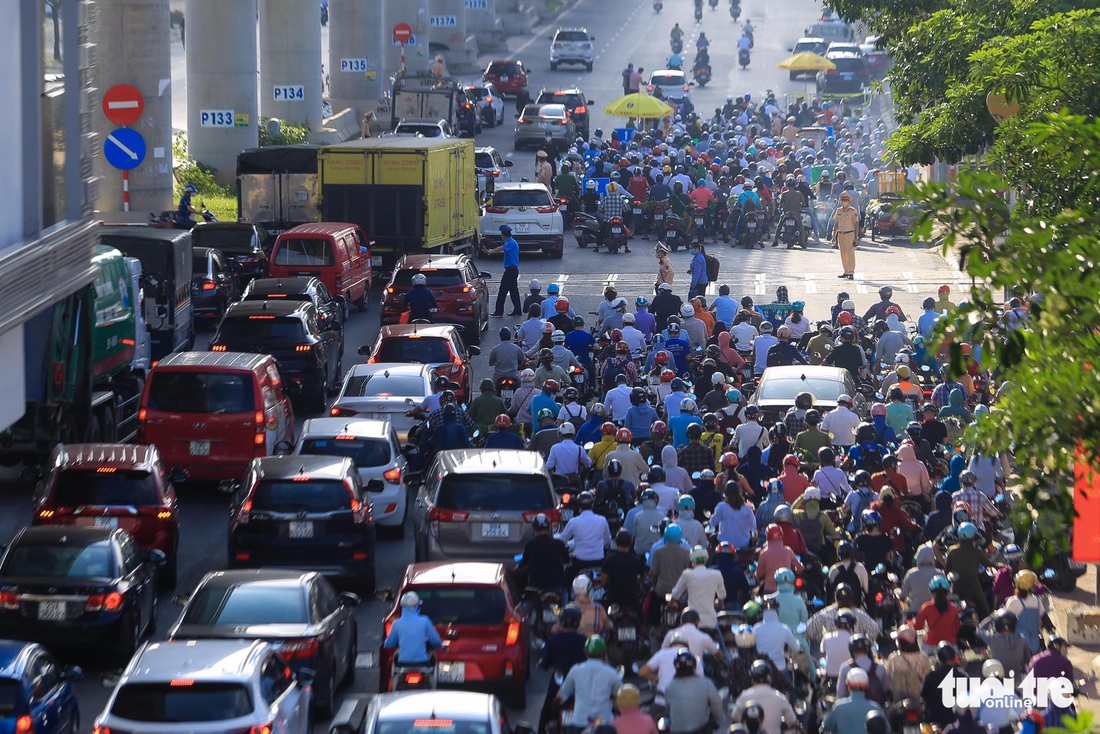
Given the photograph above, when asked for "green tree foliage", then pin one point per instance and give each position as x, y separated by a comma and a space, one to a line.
288, 134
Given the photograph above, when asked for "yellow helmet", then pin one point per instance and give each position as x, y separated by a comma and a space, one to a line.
1026, 580
667, 169
629, 696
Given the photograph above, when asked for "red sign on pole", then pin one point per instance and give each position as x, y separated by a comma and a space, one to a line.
123, 105
402, 33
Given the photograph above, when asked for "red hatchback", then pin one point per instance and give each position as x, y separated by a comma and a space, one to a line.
509, 76
458, 286
442, 346
112, 486
485, 634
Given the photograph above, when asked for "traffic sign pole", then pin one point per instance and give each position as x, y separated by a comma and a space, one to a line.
402, 33
125, 191
403, 58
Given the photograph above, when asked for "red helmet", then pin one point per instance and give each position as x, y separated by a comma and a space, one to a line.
894, 310
622, 348
965, 349
548, 328
729, 459
661, 358
667, 375
725, 547
551, 385
659, 428
624, 435
561, 305
945, 289
774, 532
502, 421
844, 319
616, 335
623, 163
792, 460
608, 429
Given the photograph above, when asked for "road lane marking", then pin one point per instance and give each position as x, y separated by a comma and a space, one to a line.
909, 284
861, 287
811, 286
759, 284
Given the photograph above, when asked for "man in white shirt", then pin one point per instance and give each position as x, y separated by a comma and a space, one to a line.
660, 669
632, 335
841, 422
565, 456
590, 534
775, 705
634, 466
617, 399
744, 333
750, 433
703, 586
666, 495
698, 642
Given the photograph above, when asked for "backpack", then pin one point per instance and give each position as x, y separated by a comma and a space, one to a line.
846, 574
813, 532
577, 420
864, 503
713, 267
875, 691
870, 458
614, 367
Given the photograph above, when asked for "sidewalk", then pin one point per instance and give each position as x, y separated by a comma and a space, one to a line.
1083, 657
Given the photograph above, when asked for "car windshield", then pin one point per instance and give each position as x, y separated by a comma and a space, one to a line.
365, 452
427, 130
571, 36
182, 700
385, 384
552, 112
494, 492
436, 725
521, 197
462, 604
234, 241
422, 350
11, 691
822, 388
304, 252
106, 486
201, 392
444, 278
806, 46
246, 604
847, 64
199, 265
570, 101
267, 330
32, 560
484, 160
504, 68
314, 495
476, 93
672, 80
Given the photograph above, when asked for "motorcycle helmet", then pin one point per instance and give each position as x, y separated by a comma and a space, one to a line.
571, 394
591, 186
760, 672
587, 498
1026, 580
993, 669
595, 646
845, 620
545, 355
844, 320
812, 494
608, 429
557, 336
859, 644
544, 414
774, 532
699, 554
710, 422
687, 405
844, 594
875, 722
684, 662
939, 582
419, 279
946, 653
878, 409
527, 376
870, 519
1013, 553
1004, 621
541, 522
503, 421
968, 531
729, 460
553, 289
734, 396
623, 435
659, 428
661, 359
622, 347
567, 429
783, 513
751, 612
861, 478
857, 679
641, 302
784, 577
598, 409
570, 617
551, 386
968, 478
686, 503
745, 637
813, 417
767, 327
650, 495
656, 474
637, 396
673, 534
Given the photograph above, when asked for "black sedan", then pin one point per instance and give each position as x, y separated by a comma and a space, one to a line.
241, 243
298, 612
214, 284
65, 586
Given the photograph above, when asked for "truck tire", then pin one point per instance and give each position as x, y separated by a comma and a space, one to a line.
361, 303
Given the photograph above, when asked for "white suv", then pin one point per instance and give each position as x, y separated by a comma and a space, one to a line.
208, 687
571, 46
530, 210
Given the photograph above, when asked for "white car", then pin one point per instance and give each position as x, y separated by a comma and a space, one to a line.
372, 444
489, 163
489, 101
384, 391
413, 129
529, 209
670, 85
571, 46
461, 711
208, 687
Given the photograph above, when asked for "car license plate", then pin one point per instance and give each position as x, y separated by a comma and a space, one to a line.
523, 227
847, 76
616, 230
566, 515
106, 522
504, 78
566, 717
376, 261
628, 634
200, 448
637, 212
450, 672
494, 530
507, 394
51, 611
670, 234
301, 529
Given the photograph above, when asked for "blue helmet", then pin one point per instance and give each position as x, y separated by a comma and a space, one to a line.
191, 189
686, 503
775, 487
552, 288
870, 518
968, 531
673, 534
734, 395
939, 582
1013, 553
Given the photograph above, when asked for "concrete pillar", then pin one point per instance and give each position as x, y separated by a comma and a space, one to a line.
415, 13
449, 34
290, 61
482, 22
355, 38
222, 114
131, 39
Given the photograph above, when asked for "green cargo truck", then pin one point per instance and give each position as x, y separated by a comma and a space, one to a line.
409, 195
86, 358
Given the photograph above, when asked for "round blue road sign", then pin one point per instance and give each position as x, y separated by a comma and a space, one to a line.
124, 148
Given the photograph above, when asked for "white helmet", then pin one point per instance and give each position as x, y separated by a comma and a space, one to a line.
857, 679
811, 493
717, 378
848, 305
410, 600
598, 409
582, 586
687, 405
558, 336
534, 284
419, 279
628, 318
903, 358
993, 669
687, 310
527, 376
590, 185
618, 303
567, 429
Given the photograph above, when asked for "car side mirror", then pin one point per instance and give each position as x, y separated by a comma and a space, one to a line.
473, 351
349, 599
486, 276
590, 102
157, 557
229, 486
110, 679
72, 673
364, 350
508, 164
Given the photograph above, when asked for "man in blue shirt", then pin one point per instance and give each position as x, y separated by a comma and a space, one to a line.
185, 210
678, 348
724, 307
926, 324
698, 272
412, 633
509, 281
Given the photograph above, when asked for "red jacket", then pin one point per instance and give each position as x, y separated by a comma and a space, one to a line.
940, 627
792, 538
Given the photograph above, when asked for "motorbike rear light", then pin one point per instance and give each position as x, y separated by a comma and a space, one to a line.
438, 514
242, 556
164, 515
414, 679
209, 285
912, 714
512, 636
387, 627
303, 348
299, 649
218, 348
262, 729
46, 514
358, 556
24, 725
393, 476
879, 597
9, 600
798, 583
341, 412
496, 210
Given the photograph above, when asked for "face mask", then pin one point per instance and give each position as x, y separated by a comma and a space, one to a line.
693, 252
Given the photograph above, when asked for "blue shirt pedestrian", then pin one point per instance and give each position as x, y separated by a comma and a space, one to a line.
412, 634
511, 252
639, 418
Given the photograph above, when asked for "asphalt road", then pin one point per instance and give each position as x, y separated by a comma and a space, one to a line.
626, 31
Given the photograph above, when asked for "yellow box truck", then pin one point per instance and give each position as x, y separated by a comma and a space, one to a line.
409, 195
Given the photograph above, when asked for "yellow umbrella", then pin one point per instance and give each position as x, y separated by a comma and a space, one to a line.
639, 106
806, 61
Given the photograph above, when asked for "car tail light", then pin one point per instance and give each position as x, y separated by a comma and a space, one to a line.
388, 626
456, 365
299, 649
437, 514
262, 728
489, 99
563, 122
524, 121
101, 729
143, 414
262, 318
433, 723
303, 348
209, 285
218, 348
9, 600
582, 110
339, 281
243, 516
496, 210
558, 46
104, 602
546, 209
341, 412
512, 635
24, 725
393, 476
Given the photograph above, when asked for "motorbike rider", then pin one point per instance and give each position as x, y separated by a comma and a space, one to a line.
697, 641
589, 532
590, 200
640, 419
939, 617
966, 560
676, 34
613, 492
692, 529
448, 433
947, 666
878, 310
693, 701
520, 409
642, 522
1007, 645
772, 707
484, 409
848, 354
744, 43
502, 436
675, 61
849, 572
849, 714
550, 371
773, 638
545, 559
878, 686
793, 613
622, 573
412, 634
419, 299
702, 586
1030, 609
784, 352
506, 358
184, 212
592, 684
825, 620
834, 646
564, 648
